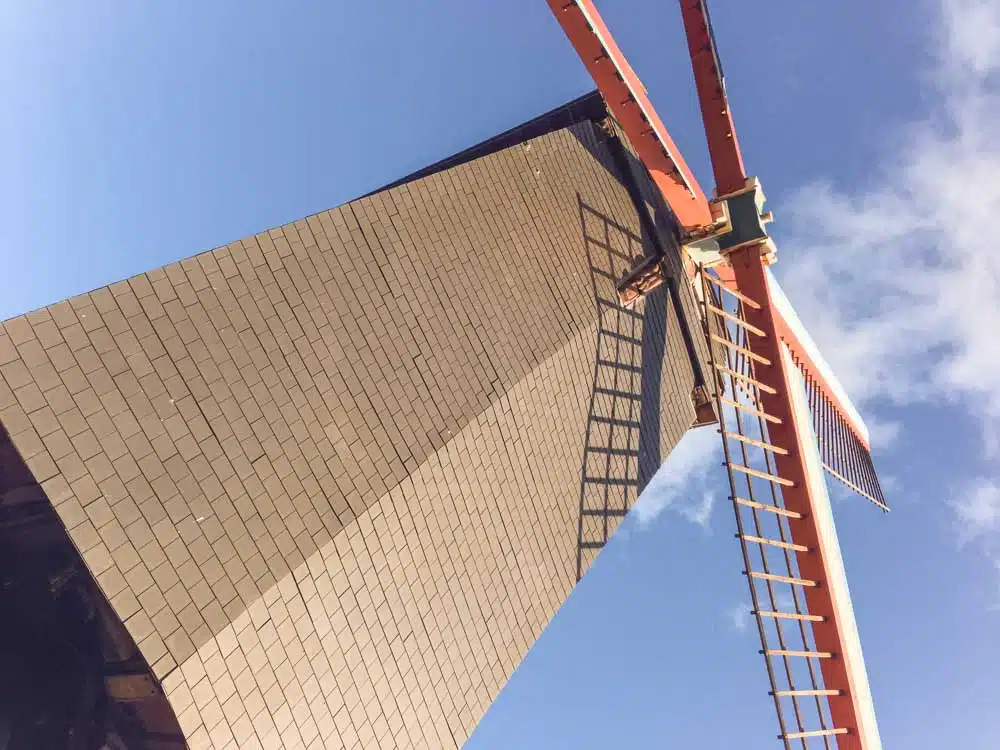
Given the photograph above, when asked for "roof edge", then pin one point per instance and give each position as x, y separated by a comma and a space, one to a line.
590, 106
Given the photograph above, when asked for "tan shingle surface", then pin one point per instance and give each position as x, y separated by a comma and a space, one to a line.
330, 475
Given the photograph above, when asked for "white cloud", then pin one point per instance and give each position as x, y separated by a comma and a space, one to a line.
891, 484
972, 37
977, 511
738, 617
882, 433
903, 277
683, 482
700, 513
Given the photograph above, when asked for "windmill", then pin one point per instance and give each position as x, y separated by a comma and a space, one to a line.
784, 418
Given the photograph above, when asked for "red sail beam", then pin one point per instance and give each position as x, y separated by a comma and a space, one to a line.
723, 147
730, 177
848, 707
627, 101
744, 247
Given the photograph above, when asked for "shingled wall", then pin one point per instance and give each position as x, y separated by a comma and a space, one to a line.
332, 476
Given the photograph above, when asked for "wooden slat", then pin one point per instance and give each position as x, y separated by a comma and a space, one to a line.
796, 693
813, 733
758, 443
775, 543
740, 296
745, 352
752, 410
735, 319
793, 514
804, 654
764, 475
746, 378
783, 579
792, 616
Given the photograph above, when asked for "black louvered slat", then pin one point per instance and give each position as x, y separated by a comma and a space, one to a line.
843, 455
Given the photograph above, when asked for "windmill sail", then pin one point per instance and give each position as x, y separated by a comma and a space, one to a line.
841, 432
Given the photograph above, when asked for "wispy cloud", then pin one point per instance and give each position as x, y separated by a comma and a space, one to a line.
913, 279
738, 617
903, 281
700, 512
684, 483
977, 511
882, 433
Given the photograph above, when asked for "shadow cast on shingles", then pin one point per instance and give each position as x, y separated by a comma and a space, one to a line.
60, 638
622, 445
622, 442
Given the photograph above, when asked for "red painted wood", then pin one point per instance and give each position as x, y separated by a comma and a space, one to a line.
627, 101
748, 268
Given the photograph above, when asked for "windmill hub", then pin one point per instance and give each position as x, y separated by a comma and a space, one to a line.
741, 221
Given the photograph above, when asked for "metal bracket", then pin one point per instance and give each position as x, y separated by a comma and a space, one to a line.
742, 221
739, 220
704, 409
644, 276
747, 217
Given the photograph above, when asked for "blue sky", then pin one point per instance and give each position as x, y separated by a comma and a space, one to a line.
136, 134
